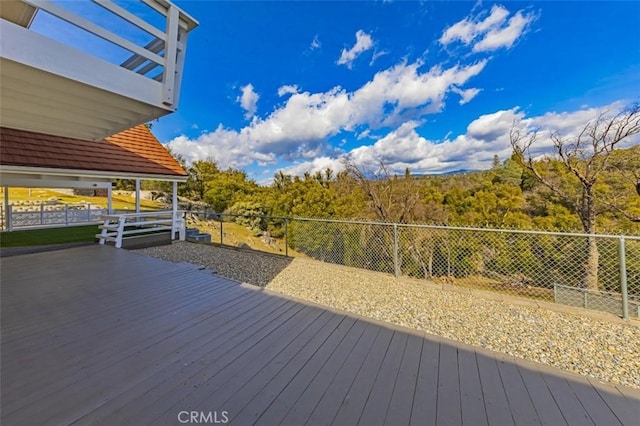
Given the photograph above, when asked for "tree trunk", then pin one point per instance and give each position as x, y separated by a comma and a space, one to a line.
588, 217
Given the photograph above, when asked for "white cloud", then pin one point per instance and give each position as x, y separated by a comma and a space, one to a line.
248, 100
470, 27
491, 32
485, 137
364, 42
319, 164
287, 89
400, 148
376, 55
466, 95
504, 37
404, 92
225, 146
301, 127
315, 44
399, 98
405, 148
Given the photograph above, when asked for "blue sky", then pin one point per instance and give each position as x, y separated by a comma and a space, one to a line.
433, 86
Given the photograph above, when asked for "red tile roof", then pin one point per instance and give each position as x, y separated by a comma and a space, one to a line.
133, 151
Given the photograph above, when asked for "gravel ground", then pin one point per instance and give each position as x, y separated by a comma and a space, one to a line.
608, 350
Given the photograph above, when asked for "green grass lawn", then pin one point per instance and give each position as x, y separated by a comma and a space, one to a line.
38, 195
39, 237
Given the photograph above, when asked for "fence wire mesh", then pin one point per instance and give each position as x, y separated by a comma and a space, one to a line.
367, 246
572, 269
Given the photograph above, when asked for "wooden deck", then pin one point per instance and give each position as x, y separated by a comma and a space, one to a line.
97, 335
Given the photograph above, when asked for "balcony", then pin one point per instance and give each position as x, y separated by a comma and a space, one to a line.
88, 70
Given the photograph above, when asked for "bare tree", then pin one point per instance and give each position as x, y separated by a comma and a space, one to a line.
584, 156
624, 173
392, 198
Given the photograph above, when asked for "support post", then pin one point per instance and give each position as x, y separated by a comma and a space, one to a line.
109, 199
220, 228
137, 195
41, 214
623, 279
286, 237
88, 212
6, 208
9, 218
174, 209
170, 55
66, 214
396, 264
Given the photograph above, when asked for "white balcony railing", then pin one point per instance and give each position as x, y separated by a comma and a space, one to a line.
57, 78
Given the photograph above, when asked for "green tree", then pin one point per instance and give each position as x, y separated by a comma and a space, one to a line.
228, 187
201, 173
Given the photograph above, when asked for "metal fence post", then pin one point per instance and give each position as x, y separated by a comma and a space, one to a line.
623, 280
396, 265
41, 214
220, 229
286, 236
66, 214
88, 212
9, 217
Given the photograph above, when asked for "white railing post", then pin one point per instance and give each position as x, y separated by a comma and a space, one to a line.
183, 227
121, 222
105, 231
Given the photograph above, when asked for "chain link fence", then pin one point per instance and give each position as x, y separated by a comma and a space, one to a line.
600, 272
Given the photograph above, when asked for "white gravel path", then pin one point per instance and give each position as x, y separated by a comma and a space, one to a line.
598, 346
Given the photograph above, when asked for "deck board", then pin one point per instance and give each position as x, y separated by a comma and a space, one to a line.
522, 409
355, 400
375, 409
493, 392
449, 406
549, 413
399, 411
425, 400
96, 335
573, 411
275, 376
331, 358
151, 388
471, 399
331, 402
